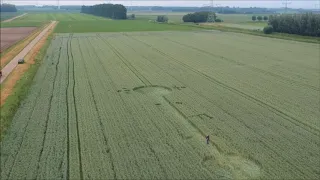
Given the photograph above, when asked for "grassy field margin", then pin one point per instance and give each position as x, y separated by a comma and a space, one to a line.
284, 36
20, 90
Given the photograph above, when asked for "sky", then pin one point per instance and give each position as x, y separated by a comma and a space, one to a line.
309, 4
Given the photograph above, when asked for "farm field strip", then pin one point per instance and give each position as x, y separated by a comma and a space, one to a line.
310, 54
138, 105
240, 114
166, 67
252, 67
222, 65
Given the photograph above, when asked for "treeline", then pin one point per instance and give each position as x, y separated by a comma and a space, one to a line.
302, 24
198, 17
8, 8
225, 10
220, 10
114, 11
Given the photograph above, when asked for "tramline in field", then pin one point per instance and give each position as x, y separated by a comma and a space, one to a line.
140, 105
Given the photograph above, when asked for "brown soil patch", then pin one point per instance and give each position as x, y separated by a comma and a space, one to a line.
8, 85
6, 57
10, 36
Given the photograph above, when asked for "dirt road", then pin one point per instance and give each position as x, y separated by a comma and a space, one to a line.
14, 62
8, 20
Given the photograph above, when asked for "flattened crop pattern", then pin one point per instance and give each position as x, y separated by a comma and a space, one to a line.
139, 105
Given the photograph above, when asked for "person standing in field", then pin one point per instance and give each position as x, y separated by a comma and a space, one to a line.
207, 138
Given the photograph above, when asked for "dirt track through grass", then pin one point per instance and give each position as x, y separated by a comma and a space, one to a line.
138, 105
14, 62
9, 20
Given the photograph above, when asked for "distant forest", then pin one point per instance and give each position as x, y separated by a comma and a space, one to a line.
8, 8
114, 11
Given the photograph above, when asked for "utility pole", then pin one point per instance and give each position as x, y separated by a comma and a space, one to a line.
219, 5
286, 3
211, 14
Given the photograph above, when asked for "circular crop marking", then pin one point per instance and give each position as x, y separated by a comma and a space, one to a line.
153, 90
237, 166
243, 167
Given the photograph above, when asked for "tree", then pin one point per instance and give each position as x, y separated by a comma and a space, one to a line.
254, 18
219, 20
259, 18
268, 29
132, 16
265, 18
303, 24
8, 8
162, 18
198, 17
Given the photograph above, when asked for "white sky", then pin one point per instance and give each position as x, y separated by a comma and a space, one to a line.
238, 3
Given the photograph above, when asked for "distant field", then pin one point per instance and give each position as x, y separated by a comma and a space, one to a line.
177, 17
37, 19
242, 21
59, 17
8, 15
173, 17
79, 23
238, 18
115, 26
138, 106
90, 23
241, 26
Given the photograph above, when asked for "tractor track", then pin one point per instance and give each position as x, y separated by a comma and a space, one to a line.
200, 92
266, 143
49, 109
67, 101
246, 65
126, 62
125, 104
311, 129
232, 38
76, 111
99, 115
27, 125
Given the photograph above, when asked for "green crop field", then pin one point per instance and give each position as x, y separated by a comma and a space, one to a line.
79, 23
239, 18
242, 21
115, 26
59, 17
138, 105
175, 17
37, 19
8, 15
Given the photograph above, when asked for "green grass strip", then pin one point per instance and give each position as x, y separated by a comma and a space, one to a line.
284, 36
